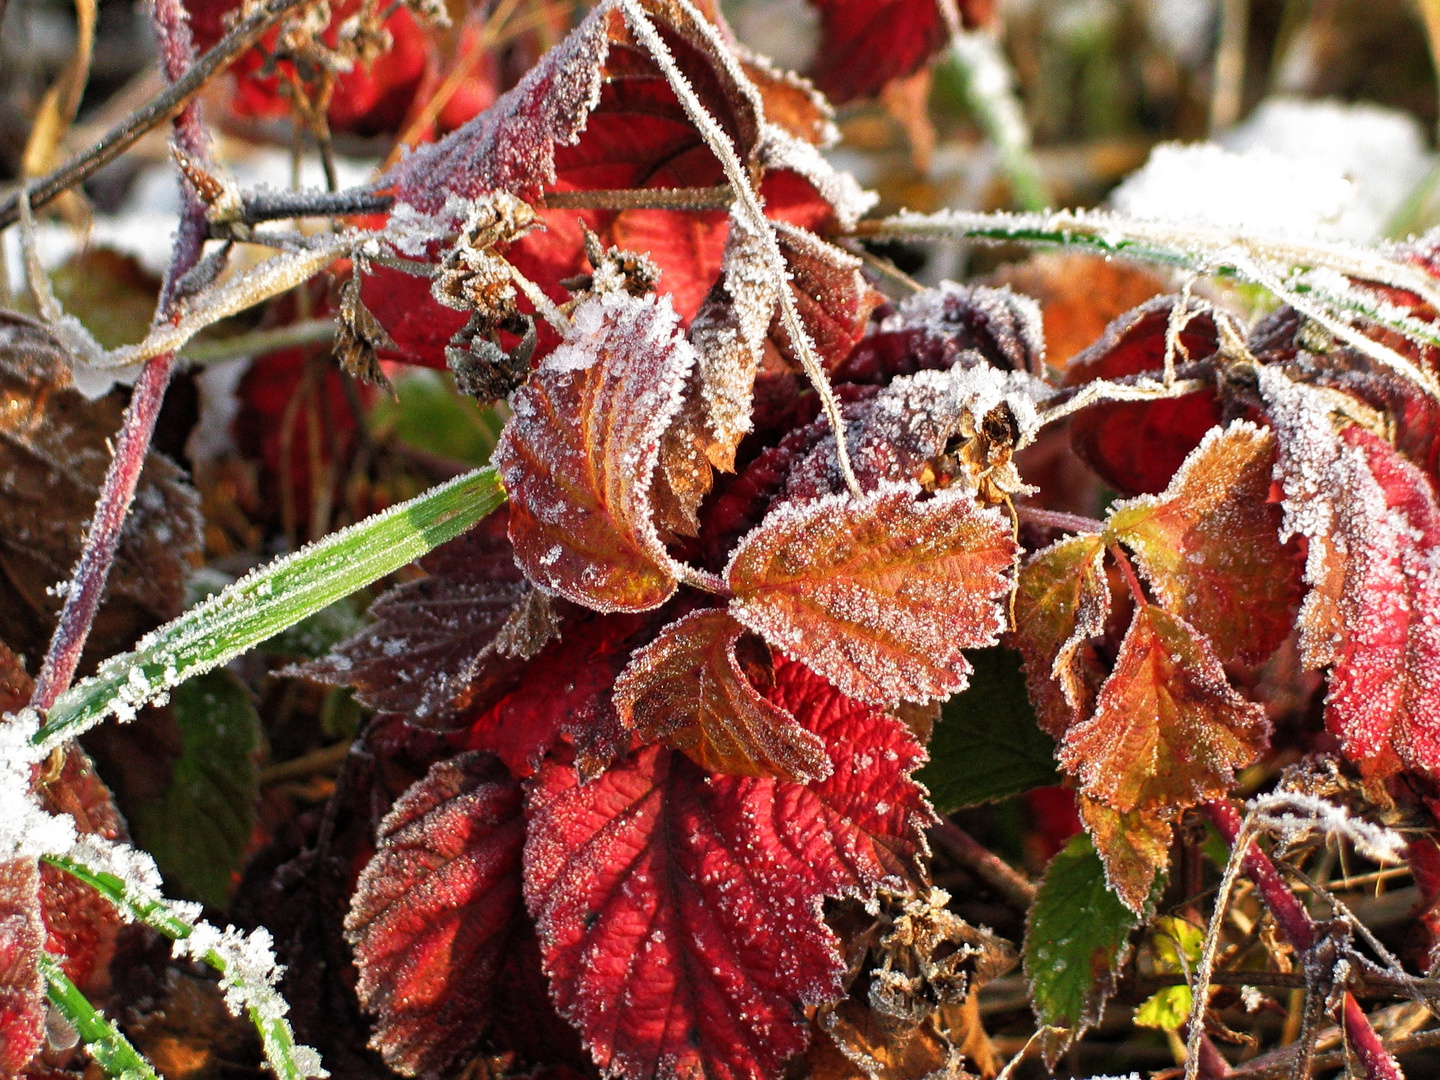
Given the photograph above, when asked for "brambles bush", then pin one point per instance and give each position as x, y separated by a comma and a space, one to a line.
777, 560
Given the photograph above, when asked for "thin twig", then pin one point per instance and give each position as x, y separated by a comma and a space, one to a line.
164, 106
278, 205
1278, 1063
973, 856
259, 342
719, 197
1055, 519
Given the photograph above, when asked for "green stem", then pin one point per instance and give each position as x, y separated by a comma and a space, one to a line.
111, 1050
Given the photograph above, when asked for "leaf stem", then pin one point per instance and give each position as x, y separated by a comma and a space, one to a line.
1378, 1063
719, 197
1056, 519
1132, 581
162, 107
1012, 886
111, 1050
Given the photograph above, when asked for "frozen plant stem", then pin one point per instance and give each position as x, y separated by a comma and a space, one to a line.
1377, 1062
87, 585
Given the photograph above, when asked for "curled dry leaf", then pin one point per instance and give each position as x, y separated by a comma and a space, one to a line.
1062, 601
878, 594
579, 455
436, 912
695, 688
53, 459
1168, 730
1210, 545
705, 969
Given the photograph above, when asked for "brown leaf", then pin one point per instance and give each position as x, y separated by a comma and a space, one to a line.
1134, 846
693, 687
579, 455
1210, 545
441, 647
1061, 602
878, 594
1168, 730
53, 458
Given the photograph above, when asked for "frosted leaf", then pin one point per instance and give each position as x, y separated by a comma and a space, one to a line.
1062, 602
1210, 544
435, 649
690, 689
1134, 846
680, 914
1168, 731
22, 984
878, 594
779, 149
511, 146
579, 455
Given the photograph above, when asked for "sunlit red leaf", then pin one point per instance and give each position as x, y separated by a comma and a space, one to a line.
568, 691
1137, 445
679, 913
1168, 730
435, 912
864, 45
1134, 846
694, 688
22, 987
1384, 696
1062, 601
578, 457
878, 594
1210, 545
439, 646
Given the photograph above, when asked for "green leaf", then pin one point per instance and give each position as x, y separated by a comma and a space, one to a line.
987, 745
263, 603
199, 829
1166, 1009
429, 414
1076, 938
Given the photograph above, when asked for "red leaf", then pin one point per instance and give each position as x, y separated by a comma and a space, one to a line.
879, 594
568, 692
446, 644
1136, 446
1210, 545
679, 914
435, 912
1168, 731
22, 987
864, 44
689, 689
1384, 699
578, 457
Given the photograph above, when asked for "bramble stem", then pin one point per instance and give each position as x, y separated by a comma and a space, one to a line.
1057, 519
1012, 886
87, 586
1378, 1062
708, 198
163, 107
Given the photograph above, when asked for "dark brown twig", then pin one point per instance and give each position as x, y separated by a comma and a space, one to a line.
164, 106
1008, 883
710, 198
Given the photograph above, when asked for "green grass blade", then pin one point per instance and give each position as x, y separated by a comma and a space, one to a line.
110, 1050
270, 599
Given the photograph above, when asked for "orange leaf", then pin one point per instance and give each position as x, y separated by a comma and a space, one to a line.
1061, 602
1168, 730
691, 689
578, 457
1210, 545
878, 594
1134, 846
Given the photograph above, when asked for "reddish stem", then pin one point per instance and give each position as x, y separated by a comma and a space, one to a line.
87, 586
1132, 580
1378, 1063
1213, 1066
1057, 519
1292, 918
